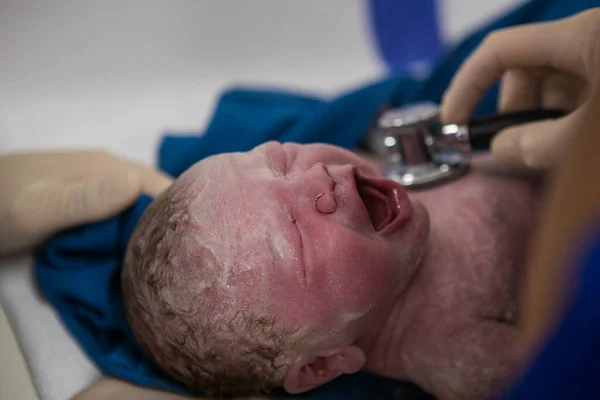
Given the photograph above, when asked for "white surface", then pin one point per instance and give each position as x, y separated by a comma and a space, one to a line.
58, 366
115, 74
18, 384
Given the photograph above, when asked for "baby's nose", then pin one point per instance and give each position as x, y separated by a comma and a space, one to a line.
325, 199
325, 203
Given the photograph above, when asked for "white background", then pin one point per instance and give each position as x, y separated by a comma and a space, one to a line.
116, 74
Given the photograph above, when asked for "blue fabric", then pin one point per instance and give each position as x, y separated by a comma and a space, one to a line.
78, 273
78, 270
569, 365
244, 118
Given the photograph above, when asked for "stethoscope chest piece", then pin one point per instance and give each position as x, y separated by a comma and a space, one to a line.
419, 151
411, 142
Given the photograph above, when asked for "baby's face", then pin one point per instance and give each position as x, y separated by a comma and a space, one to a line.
309, 233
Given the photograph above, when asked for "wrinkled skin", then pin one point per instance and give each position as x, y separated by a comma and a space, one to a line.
431, 301
453, 330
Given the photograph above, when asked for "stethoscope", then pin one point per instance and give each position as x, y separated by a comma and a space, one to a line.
418, 151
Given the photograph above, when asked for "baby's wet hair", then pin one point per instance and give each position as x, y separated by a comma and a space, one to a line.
237, 354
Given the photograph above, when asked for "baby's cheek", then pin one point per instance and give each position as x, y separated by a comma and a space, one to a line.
293, 306
367, 276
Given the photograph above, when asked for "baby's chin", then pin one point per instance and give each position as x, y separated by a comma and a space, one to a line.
420, 217
414, 235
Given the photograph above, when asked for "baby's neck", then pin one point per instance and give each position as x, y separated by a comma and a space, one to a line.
383, 356
465, 218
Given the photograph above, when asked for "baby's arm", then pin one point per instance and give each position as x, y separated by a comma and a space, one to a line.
465, 361
114, 389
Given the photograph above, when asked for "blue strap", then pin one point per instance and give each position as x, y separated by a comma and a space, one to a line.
406, 32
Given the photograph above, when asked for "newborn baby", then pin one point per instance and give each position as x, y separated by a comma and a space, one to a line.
290, 265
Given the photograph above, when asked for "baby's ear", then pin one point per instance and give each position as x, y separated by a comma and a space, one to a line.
307, 374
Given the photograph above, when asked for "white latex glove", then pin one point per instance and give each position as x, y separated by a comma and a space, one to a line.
114, 389
43, 193
544, 65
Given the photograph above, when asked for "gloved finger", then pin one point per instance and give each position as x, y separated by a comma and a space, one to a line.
562, 91
537, 145
546, 45
154, 182
51, 206
92, 200
519, 90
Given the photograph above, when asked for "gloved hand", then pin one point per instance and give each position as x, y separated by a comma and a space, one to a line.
43, 193
545, 65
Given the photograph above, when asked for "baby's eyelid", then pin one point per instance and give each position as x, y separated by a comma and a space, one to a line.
301, 252
286, 165
282, 167
296, 223
275, 165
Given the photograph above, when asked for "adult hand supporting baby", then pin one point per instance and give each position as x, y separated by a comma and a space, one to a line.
114, 389
43, 193
545, 65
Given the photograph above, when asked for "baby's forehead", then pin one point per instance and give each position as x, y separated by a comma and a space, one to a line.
234, 212
229, 182
229, 168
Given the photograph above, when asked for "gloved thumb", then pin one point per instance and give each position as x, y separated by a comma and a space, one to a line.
51, 206
536, 145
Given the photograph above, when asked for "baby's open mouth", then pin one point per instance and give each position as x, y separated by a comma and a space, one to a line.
386, 203
376, 203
